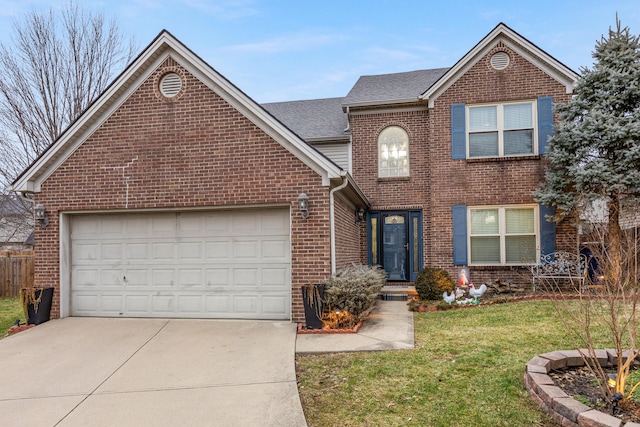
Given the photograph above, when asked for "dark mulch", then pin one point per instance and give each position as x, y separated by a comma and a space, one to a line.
581, 384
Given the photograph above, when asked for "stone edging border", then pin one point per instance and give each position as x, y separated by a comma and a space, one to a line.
565, 410
22, 327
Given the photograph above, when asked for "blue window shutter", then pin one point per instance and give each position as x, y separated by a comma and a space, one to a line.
547, 231
459, 234
458, 132
545, 122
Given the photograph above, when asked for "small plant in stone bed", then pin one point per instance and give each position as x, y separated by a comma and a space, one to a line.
10, 311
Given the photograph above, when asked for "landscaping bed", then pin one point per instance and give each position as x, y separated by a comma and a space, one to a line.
581, 384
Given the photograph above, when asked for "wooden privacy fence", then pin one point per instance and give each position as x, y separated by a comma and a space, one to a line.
16, 272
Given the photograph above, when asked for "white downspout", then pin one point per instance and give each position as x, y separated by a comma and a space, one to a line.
332, 223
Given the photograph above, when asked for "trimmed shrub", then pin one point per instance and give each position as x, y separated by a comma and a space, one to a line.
432, 282
354, 289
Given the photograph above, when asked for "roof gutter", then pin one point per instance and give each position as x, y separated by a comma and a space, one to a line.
332, 221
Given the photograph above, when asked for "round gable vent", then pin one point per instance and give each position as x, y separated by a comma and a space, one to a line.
500, 60
170, 85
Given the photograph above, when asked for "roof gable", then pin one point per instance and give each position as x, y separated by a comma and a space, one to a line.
163, 47
503, 34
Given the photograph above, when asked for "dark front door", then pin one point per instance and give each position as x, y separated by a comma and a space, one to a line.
395, 243
395, 249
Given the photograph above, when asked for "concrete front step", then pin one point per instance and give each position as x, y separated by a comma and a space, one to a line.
397, 293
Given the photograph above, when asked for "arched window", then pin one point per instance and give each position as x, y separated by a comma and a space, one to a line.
393, 152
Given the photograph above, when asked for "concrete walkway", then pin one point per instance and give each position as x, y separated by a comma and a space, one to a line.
151, 372
389, 327
137, 372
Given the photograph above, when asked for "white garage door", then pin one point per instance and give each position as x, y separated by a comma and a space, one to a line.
220, 264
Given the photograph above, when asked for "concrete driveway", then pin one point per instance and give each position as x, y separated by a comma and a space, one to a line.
138, 372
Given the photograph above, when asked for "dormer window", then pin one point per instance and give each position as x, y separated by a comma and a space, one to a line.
393, 152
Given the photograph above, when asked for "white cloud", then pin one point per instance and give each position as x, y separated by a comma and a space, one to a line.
227, 9
287, 43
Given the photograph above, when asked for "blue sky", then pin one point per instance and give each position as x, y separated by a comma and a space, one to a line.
279, 50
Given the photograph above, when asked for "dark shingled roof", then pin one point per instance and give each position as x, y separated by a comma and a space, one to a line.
313, 119
391, 88
324, 119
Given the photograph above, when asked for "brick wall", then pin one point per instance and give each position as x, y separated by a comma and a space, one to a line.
193, 151
437, 182
401, 193
485, 182
348, 234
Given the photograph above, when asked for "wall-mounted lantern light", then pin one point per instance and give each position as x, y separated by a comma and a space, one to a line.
303, 204
41, 215
359, 215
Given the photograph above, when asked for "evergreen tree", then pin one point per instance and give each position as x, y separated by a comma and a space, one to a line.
595, 152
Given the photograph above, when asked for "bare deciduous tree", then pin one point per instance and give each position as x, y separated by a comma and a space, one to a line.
59, 62
607, 309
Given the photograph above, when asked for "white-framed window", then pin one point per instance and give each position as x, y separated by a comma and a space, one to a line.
393, 152
503, 235
502, 130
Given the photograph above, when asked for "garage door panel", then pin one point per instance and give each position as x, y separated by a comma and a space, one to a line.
190, 251
111, 305
162, 278
246, 249
163, 304
85, 226
221, 250
225, 264
87, 303
111, 278
245, 304
190, 304
245, 277
275, 224
190, 223
275, 250
84, 252
162, 224
137, 278
218, 224
188, 278
137, 305
163, 251
274, 305
217, 277
245, 223
273, 277
137, 252
111, 227
219, 304
136, 225
84, 278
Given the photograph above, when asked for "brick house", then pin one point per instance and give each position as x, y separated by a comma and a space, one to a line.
176, 195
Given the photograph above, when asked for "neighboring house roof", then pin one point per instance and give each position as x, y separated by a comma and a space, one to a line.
16, 220
523, 47
392, 88
314, 119
164, 46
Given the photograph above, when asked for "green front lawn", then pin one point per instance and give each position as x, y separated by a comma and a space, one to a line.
466, 370
10, 310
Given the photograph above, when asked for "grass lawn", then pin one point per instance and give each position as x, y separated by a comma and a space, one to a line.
466, 370
10, 310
